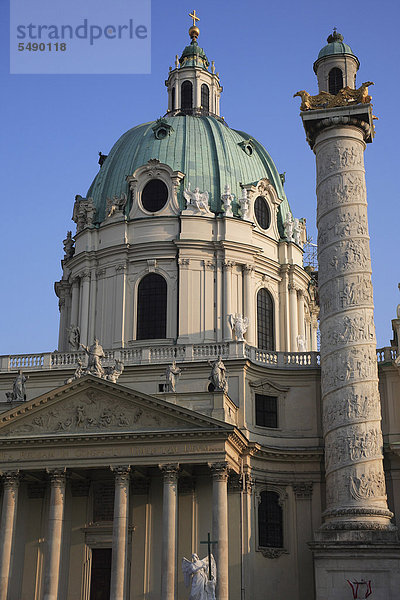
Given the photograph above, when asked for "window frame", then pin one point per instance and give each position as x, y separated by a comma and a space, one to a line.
165, 336
273, 551
273, 334
276, 398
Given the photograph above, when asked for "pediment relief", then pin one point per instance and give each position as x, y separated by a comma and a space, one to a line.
267, 387
94, 410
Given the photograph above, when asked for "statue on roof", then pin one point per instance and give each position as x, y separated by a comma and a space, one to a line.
18, 393
197, 200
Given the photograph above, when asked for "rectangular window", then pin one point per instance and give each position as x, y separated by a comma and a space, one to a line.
103, 501
266, 410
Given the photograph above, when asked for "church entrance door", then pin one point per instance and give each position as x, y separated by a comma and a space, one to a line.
100, 577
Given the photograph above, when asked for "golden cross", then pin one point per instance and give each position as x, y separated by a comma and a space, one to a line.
193, 16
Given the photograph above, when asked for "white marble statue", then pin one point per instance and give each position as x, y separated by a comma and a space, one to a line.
227, 201
74, 337
95, 354
196, 574
301, 344
297, 232
116, 205
172, 373
244, 206
18, 393
112, 373
289, 225
239, 325
218, 375
197, 199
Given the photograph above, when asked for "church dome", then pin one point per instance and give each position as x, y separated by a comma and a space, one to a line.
194, 56
335, 45
204, 148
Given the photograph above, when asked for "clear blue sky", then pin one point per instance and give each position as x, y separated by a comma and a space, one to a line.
53, 126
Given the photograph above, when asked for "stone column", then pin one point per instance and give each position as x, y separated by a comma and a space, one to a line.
92, 306
304, 530
75, 301
314, 332
119, 575
54, 533
293, 317
7, 528
249, 303
284, 310
355, 481
228, 264
120, 300
170, 497
220, 526
85, 291
300, 301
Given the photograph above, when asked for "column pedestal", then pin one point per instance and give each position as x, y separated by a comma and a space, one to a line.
54, 535
7, 529
119, 576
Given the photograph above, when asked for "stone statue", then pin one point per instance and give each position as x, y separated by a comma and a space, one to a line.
195, 573
301, 344
83, 213
297, 232
239, 325
244, 206
227, 201
95, 354
18, 393
344, 97
197, 199
79, 372
218, 375
116, 205
69, 249
172, 373
289, 226
112, 373
74, 337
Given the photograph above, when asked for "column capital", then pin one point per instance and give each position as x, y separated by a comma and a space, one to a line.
121, 473
249, 269
57, 476
85, 275
170, 472
228, 264
11, 479
219, 470
303, 490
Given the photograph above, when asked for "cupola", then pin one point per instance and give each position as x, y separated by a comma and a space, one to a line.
336, 66
193, 89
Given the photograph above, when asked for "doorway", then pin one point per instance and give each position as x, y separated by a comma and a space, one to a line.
100, 577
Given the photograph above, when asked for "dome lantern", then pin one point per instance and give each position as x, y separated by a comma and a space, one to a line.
192, 88
336, 66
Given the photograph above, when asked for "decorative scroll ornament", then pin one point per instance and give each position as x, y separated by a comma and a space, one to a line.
227, 199
344, 97
83, 213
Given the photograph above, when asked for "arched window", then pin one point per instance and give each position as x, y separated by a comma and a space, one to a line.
173, 99
270, 521
152, 308
265, 321
335, 80
186, 95
205, 97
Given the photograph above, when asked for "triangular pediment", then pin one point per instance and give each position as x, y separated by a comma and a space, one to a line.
268, 386
92, 405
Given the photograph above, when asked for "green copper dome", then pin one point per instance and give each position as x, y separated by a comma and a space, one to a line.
335, 45
209, 153
194, 56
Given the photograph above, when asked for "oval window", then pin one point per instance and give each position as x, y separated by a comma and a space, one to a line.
154, 195
261, 211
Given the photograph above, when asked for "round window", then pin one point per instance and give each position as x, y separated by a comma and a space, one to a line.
161, 133
154, 195
261, 211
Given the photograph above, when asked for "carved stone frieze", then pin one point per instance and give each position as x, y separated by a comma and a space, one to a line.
272, 552
348, 256
348, 223
347, 366
343, 329
90, 412
353, 444
368, 484
351, 405
340, 190
337, 156
346, 292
